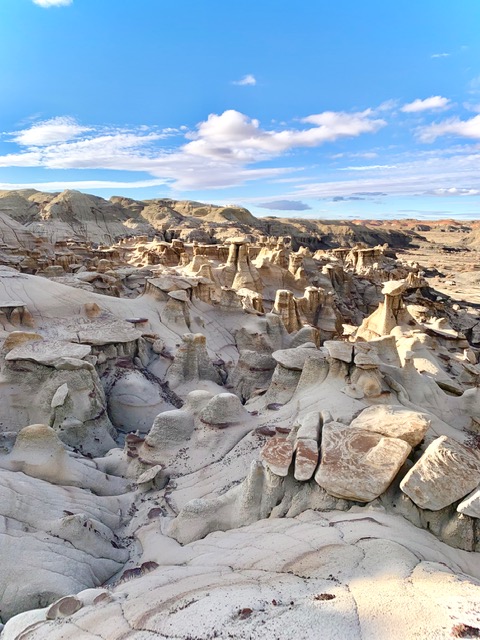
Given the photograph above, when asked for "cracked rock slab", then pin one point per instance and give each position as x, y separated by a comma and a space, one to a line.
48, 352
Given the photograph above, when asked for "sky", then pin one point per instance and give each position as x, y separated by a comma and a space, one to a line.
318, 109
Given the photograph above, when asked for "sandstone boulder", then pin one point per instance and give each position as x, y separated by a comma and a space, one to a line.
357, 464
394, 421
445, 473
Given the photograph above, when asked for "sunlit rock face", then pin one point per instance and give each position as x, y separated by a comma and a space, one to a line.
249, 438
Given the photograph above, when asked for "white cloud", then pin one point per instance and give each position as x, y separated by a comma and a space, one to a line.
233, 136
440, 55
434, 102
455, 191
248, 80
52, 3
58, 129
359, 154
217, 154
438, 175
369, 167
453, 126
81, 185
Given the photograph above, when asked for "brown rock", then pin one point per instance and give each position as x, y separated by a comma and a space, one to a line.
278, 454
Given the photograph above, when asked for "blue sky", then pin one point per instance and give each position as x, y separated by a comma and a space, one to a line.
307, 108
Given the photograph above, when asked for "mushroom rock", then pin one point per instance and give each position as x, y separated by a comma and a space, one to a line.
191, 362
386, 349
170, 429
290, 363
238, 272
222, 410
445, 473
180, 295
252, 372
329, 320
175, 313
338, 350
134, 401
390, 313
286, 308
294, 358
315, 370
356, 464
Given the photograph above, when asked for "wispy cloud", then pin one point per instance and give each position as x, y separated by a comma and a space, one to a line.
58, 129
452, 126
360, 154
440, 55
474, 85
428, 104
369, 167
439, 175
52, 3
285, 205
248, 80
220, 151
454, 191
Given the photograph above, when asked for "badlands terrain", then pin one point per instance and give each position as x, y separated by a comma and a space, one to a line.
218, 426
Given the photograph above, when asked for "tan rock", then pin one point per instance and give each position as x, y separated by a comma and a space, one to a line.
306, 459
394, 421
471, 505
445, 473
19, 338
357, 464
339, 350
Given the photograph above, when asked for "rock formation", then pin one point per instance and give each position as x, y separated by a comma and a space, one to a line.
252, 438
